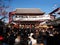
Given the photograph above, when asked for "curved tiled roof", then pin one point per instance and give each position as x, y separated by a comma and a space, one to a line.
58, 9
29, 10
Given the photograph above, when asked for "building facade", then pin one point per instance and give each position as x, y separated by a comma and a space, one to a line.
28, 16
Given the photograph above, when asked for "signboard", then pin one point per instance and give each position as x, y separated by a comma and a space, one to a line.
31, 18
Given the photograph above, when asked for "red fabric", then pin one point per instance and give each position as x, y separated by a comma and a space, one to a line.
1, 38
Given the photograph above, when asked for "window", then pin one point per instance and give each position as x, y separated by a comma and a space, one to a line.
32, 16
17, 16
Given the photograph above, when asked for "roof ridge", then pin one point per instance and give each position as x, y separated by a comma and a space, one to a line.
27, 8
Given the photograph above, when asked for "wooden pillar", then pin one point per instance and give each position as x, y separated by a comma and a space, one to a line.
10, 17
30, 26
25, 26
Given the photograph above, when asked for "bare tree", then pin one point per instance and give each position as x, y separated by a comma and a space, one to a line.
4, 6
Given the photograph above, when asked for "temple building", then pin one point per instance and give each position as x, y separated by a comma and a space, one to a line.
55, 12
28, 16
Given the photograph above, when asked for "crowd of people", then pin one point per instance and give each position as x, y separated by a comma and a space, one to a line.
26, 36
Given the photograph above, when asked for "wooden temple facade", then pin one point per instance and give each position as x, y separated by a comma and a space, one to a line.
26, 16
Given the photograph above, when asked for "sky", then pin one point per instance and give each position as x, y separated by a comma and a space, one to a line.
46, 6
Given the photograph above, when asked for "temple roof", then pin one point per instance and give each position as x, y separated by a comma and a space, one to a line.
55, 10
29, 10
